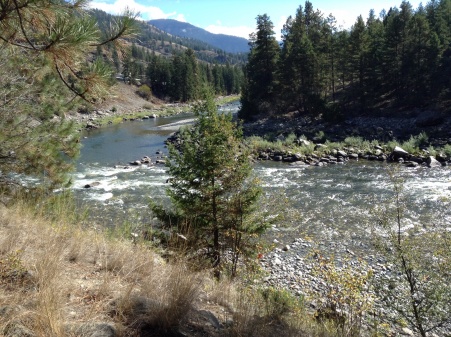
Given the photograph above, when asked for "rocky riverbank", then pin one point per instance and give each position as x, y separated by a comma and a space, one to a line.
384, 128
300, 268
324, 155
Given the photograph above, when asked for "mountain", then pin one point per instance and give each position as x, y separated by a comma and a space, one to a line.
228, 43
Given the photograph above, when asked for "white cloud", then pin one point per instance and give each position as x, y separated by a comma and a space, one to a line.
146, 12
180, 17
240, 31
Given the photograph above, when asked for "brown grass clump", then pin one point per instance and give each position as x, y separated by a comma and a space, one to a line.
57, 279
52, 276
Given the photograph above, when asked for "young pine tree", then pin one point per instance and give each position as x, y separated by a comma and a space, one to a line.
212, 188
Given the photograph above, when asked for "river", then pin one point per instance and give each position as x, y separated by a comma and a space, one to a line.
331, 203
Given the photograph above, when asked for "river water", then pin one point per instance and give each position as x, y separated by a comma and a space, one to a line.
331, 203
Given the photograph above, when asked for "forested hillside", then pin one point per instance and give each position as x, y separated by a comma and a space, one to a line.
171, 67
231, 44
398, 60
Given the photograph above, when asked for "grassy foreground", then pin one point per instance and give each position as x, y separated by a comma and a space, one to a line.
58, 279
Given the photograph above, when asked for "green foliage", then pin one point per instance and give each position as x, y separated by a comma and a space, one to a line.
398, 60
257, 95
447, 150
144, 91
421, 257
44, 74
345, 296
320, 136
279, 302
212, 190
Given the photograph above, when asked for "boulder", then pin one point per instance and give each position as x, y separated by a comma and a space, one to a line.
93, 184
263, 156
432, 162
91, 126
297, 164
399, 152
146, 160
441, 157
341, 153
303, 142
135, 163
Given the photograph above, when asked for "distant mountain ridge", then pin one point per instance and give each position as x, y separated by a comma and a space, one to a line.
228, 43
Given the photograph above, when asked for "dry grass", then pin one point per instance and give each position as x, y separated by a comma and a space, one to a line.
57, 279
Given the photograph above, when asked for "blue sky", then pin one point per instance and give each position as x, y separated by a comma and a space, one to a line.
237, 17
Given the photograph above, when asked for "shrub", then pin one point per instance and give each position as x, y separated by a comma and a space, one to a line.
144, 91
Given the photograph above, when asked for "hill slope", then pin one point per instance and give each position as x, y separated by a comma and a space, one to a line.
228, 43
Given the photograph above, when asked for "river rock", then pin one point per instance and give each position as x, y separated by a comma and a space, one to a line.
399, 152
135, 163
297, 164
146, 160
93, 184
91, 126
341, 153
441, 157
432, 162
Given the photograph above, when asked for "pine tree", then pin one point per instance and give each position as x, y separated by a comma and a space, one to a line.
212, 188
258, 92
43, 46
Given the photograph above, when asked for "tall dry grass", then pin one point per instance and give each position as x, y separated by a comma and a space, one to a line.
58, 273
56, 276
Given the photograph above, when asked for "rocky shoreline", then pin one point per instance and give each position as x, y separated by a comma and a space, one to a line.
384, 128
294, 267
337, 156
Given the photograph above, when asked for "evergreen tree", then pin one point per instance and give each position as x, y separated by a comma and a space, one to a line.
359, 51
258, 92
212, 189
43, 44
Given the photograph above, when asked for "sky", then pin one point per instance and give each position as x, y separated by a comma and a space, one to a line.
237, 17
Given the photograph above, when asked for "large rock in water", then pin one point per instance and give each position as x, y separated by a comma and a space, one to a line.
432, 162
93, 184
